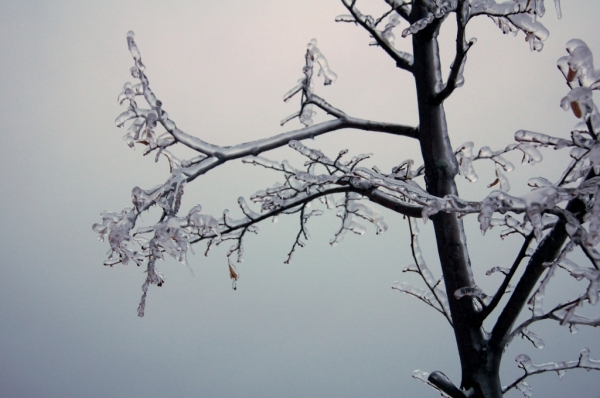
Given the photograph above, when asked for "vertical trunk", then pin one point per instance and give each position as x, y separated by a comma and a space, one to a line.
479, 370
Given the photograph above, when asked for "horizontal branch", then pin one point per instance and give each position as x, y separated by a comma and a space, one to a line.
583, 362
375, 195
263, 216
390, 202
221, 154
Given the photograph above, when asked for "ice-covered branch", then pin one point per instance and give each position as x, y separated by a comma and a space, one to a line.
546, 252
435, 297
564, 312
530, 368
144, 121
441, 383
515, 16
384, 39
304, 216
229, 226
505, 283
218, 155
402, 7
455, 78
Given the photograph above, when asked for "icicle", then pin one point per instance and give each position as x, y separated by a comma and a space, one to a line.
558, 10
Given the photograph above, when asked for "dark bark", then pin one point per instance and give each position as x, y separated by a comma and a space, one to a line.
547, 251
479, 370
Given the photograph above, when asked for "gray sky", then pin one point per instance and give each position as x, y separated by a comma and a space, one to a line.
326, 325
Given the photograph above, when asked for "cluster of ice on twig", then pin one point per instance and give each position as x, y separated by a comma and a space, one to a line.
530, 368
433, 296
306, 85
517, 16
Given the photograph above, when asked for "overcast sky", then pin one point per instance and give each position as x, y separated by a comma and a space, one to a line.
328, 324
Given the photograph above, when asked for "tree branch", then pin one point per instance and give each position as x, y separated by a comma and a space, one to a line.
546, 251
248, 221
443, 383
502, 289
530, 368
218, 155
425, 273
455, 78
403, 60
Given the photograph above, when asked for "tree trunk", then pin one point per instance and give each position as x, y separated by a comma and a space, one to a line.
479, 370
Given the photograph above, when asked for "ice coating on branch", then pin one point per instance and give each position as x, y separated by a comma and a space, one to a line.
345, 18
419, 25
119, 227
172, 238
324, 70
387, 33
153, 276
543, 139
579, 65
593, 218
488, 207
133, 49
586, 362
316, 179
525, 389
472, 291
367, 212
580, 101
443, 7
545, 196
422, 294
312, 154
352, 207
514, 16
464, 156
306, 115
579, 273
397, 3
493, 8
533, 338
524, 362
123, 117
492, 270
569, 317
169, 195
420, 375
204, 223
246, 209
437, 297
306, 85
